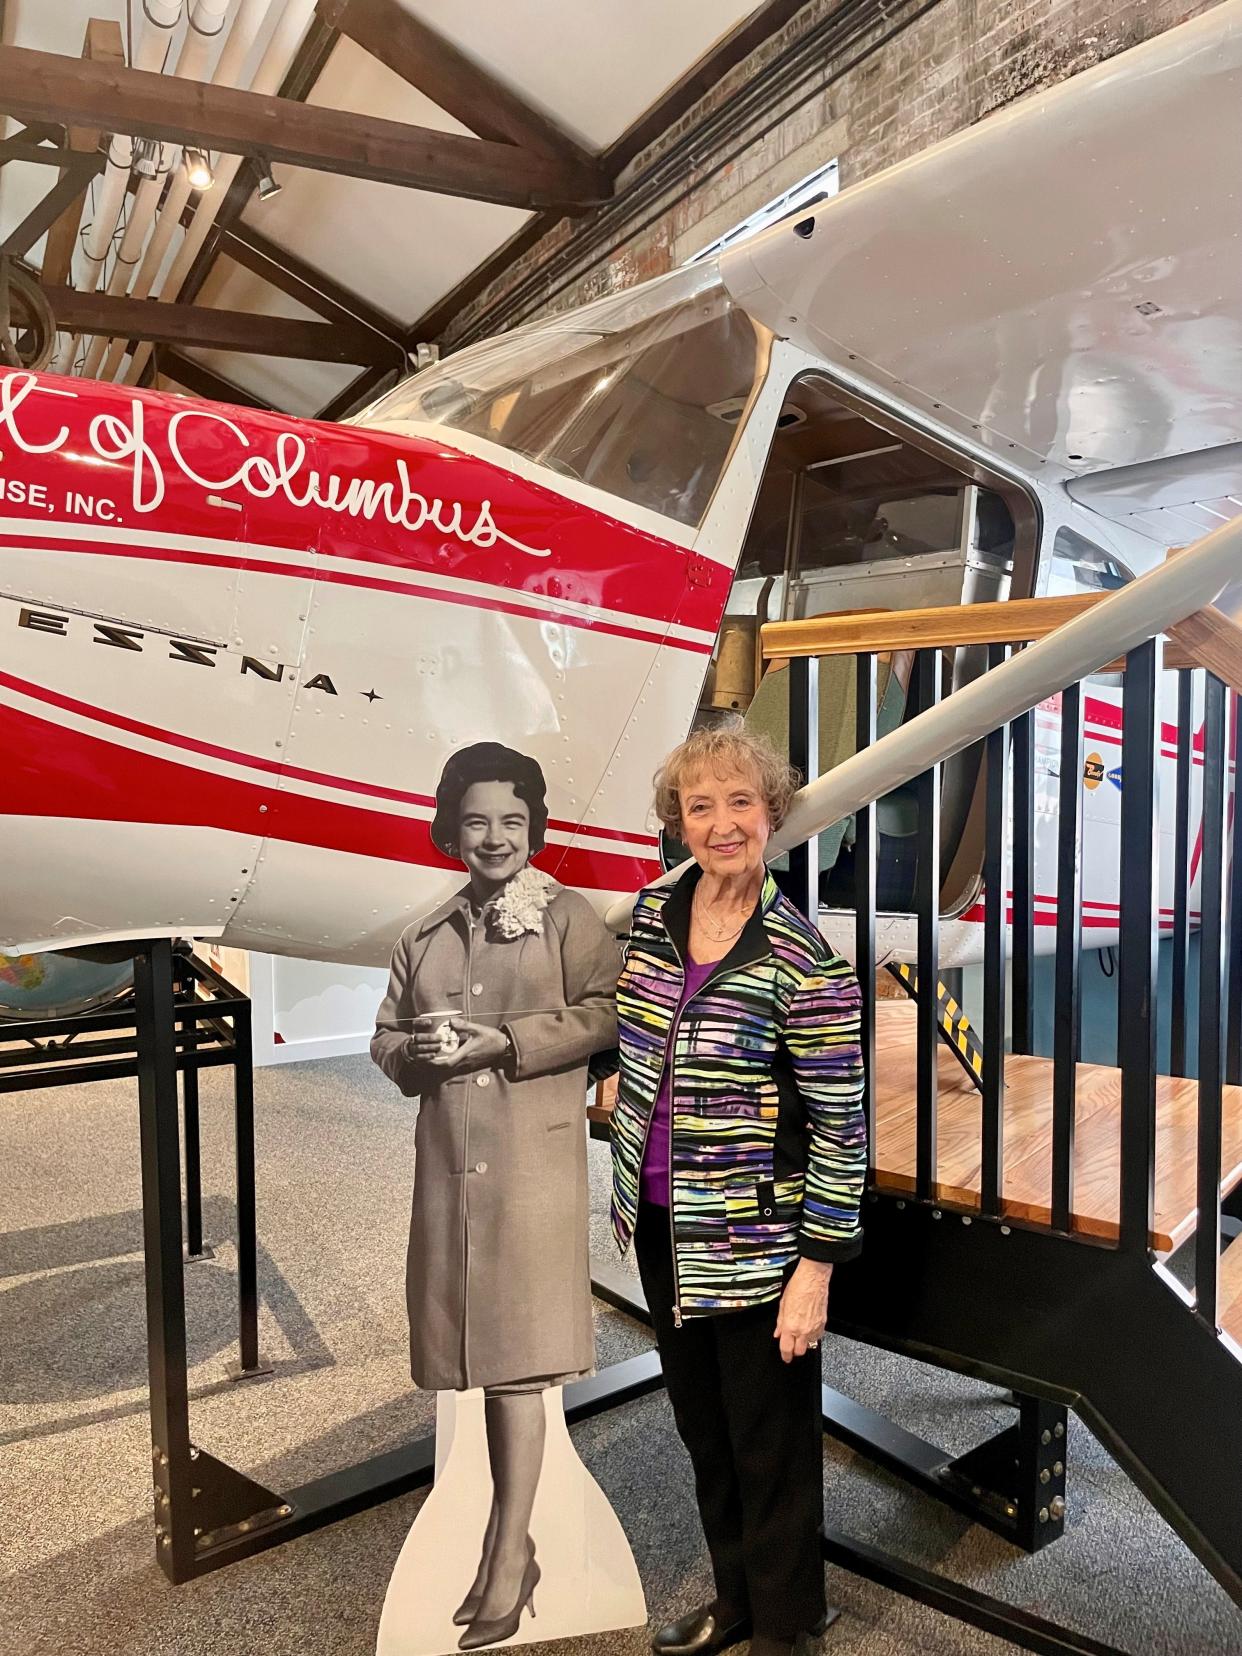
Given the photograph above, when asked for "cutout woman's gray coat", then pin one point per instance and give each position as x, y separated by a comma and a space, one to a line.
498, 1275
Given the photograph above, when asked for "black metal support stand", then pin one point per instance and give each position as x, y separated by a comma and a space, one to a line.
247, 1220
211, 1027
161, 1220
187, 1022
1017, 1478
1000, 1484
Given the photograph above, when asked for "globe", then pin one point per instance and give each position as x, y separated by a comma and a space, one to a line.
58, 985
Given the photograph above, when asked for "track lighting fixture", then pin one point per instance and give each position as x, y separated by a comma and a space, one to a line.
147, 157
268, 186
198, 169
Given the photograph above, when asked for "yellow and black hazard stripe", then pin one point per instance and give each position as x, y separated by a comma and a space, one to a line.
956, 1029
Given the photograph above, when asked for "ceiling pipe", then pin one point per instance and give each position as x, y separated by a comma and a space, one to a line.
228, 73
206, 22
281, 49
151, 54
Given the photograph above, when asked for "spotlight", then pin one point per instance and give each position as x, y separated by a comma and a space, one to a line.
268, 186
146, 157
198, 170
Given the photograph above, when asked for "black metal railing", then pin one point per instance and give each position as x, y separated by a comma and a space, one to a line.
1201, 939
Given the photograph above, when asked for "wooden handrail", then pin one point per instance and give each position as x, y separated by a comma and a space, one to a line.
1010, 621
1206, 639
1210, 639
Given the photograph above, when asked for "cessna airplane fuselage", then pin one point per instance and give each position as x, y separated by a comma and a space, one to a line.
236, 648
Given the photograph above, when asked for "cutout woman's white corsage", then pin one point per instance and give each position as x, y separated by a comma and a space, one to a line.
519, 908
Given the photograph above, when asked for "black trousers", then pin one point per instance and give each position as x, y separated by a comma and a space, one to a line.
754, 1432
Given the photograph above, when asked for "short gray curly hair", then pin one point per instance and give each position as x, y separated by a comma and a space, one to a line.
725, 750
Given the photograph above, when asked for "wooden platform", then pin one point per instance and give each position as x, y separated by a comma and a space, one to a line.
1028, 1136
1229, 1296
1028, 1140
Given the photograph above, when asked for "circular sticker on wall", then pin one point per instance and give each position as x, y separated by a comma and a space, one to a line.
1092, 771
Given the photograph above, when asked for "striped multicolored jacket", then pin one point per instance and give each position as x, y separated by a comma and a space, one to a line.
768, 1132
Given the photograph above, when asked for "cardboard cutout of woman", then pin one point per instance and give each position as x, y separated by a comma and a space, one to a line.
496, 1002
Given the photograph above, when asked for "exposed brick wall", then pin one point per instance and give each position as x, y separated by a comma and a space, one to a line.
900, 82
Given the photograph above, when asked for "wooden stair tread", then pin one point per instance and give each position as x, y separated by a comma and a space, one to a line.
1027, 1187
1229, 1290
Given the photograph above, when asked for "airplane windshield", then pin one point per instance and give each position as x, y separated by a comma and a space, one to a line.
640, 394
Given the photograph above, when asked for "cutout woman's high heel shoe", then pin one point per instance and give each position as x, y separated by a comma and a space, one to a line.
468, 1609
499, 1628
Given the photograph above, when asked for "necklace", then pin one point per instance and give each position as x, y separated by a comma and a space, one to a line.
715, 931
716, 935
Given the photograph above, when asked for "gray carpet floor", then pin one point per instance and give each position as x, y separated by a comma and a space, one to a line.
77, 1574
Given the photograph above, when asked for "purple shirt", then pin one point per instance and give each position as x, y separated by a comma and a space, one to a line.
653, 1178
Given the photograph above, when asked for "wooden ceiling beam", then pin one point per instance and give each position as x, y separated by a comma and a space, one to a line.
672, 107
103, 44
48, 87
449, 78
60, 199
215, 330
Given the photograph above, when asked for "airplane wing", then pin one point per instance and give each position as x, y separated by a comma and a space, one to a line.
1061, 281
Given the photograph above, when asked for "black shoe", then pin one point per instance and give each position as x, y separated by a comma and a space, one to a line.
701, 1633
803, 1644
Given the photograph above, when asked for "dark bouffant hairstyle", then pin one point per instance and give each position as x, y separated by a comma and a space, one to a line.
488, 762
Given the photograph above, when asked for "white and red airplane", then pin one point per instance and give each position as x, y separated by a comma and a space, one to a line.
236, 649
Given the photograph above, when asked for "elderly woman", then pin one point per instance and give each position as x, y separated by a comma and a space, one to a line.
496, 1002
739, 1150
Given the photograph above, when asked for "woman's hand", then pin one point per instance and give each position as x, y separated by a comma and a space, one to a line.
803, 1313
479, 1047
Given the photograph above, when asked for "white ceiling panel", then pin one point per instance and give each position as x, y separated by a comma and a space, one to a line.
401, 249
58, 25
593, 66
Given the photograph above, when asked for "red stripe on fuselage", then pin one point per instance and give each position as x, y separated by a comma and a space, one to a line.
373, 790
375, 583
54, 771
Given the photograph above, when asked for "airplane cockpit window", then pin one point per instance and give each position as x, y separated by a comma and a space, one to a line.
1078, 565
641, 394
